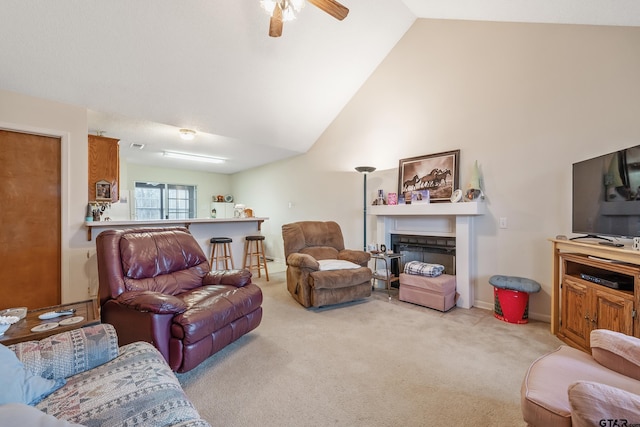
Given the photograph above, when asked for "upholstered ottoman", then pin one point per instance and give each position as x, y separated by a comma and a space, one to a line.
434, 292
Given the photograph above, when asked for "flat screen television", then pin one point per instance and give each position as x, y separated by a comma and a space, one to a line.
606, 195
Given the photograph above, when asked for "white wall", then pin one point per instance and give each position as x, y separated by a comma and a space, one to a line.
525, 100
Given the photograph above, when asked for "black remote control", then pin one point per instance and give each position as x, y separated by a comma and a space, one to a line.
614, 244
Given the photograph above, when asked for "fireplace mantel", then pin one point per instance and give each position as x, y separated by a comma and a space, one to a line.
437, 219
422, 209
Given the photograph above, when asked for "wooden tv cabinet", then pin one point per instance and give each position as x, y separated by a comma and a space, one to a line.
578, 306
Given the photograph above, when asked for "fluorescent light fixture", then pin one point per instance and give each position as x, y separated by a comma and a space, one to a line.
194, 157
187, 134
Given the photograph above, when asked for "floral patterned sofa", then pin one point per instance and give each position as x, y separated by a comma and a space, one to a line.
81, 377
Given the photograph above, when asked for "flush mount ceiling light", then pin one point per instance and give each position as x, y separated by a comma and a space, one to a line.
187, 134
193, 157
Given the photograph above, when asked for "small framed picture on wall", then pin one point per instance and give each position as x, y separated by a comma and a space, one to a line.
103, 190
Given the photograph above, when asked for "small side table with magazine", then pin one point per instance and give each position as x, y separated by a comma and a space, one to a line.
33, 327
385, 259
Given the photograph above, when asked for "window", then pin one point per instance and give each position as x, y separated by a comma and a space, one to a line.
165, 201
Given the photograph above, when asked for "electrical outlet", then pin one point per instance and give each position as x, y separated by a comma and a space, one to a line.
503, 222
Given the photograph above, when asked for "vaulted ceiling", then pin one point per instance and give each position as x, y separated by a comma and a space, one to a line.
147, 68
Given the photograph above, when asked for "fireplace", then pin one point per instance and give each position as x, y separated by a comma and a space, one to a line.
453, 220
430, 249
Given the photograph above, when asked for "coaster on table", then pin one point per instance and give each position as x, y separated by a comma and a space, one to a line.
71, 320
44, 327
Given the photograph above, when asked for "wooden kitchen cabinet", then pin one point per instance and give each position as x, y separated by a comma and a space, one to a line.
104, 164
586, 305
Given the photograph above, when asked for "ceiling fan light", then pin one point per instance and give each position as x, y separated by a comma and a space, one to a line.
268, 5
297, 4
289, 8
288, 14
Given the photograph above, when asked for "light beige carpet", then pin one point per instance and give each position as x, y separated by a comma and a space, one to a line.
372, 363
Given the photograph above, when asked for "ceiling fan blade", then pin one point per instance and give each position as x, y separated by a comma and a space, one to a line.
332, 7
275, 24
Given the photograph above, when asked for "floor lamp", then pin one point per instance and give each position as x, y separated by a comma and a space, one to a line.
365, 170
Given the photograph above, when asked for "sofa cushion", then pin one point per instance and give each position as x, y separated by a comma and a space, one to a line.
19, 414
19, 385
68, 353
170, 262
593, 402
136, 388
616, 351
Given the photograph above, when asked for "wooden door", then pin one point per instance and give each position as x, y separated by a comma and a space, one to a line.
30, 220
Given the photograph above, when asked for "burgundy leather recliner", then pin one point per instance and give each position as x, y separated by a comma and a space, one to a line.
155, 286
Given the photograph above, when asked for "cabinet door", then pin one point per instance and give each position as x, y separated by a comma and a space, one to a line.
104, 164
575, 311
612, 311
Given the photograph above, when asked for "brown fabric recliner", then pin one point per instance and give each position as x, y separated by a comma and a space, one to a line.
155, 286
305, 243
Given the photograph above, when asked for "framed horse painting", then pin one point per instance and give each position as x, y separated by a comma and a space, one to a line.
433, 177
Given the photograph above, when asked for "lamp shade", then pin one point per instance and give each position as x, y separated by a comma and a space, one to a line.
365, 169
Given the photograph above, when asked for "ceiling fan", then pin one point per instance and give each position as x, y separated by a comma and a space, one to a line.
285, 10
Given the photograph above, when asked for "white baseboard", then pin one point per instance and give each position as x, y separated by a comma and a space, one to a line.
533, 316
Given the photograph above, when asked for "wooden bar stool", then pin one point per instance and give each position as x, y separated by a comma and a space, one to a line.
221, 253
254, 254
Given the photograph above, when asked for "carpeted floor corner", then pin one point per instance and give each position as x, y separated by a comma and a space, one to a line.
369, 363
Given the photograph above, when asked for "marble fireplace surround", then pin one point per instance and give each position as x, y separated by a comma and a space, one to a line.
436, 219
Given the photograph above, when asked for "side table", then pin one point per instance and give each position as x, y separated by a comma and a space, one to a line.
386, 259
21, 330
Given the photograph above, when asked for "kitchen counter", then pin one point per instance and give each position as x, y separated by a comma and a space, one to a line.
202, 229
167, 222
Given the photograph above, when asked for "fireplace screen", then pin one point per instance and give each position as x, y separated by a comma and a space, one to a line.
431, 249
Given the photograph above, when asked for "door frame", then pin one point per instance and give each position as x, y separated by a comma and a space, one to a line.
65, 150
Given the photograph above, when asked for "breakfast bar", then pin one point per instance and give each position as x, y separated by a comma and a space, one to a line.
203, 229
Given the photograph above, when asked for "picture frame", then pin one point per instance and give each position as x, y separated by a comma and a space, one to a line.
438, 173
103, 190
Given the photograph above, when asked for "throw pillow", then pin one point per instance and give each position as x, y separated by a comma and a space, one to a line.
592, 402
68, 353
18, 385
336, 264
616, 351
19, 414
